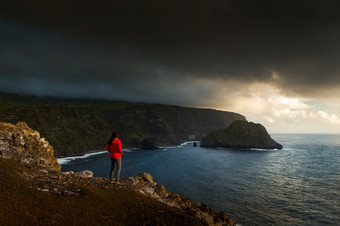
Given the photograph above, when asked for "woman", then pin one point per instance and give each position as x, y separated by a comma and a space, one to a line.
114, 146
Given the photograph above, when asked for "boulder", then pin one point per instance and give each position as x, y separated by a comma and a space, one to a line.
85, 174
161, 190
23, 144
241, 134
146, 177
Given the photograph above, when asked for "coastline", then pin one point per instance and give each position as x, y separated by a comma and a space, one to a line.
66, 159
62, 160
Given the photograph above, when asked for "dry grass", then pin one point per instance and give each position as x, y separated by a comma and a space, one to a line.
22, 204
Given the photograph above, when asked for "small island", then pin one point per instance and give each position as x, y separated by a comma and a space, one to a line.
241, 134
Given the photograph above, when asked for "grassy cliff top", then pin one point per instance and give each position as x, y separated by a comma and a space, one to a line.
24, 200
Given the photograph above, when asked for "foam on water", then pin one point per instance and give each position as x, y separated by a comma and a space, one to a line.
189, 142
66, 160
169, 147
261, 149
179, 146
130, 149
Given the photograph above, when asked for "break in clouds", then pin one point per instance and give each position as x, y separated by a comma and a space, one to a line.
207, 53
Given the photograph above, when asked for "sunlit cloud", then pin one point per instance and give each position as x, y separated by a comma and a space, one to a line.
267, 104
329, 117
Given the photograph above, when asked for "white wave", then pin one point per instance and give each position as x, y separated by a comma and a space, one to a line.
189, 142
180, 145
130, 149
261, 149
169, 147
65, 160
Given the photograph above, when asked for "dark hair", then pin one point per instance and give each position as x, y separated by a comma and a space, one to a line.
113, 136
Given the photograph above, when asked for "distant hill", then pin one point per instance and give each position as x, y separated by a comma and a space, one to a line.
74, 126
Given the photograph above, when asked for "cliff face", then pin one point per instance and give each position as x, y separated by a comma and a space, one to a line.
21, 143
241, 134
75, 126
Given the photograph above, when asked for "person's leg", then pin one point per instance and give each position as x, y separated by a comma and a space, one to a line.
113, 162
119, 167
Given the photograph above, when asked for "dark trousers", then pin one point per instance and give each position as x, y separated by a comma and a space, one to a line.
119, 167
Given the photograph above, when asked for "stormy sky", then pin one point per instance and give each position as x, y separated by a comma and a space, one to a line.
276, 62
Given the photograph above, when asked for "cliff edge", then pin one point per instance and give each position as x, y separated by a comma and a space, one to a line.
241, 134
36, 192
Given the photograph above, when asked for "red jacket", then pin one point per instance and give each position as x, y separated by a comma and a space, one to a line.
115, 149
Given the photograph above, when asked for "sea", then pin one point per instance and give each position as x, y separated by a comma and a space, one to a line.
298, 185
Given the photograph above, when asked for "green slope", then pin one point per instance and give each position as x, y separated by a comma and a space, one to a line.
76, 126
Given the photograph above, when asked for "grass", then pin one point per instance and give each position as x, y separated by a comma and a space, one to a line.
5, 108
22, 204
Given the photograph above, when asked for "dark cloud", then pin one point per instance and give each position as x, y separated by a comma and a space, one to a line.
165, 51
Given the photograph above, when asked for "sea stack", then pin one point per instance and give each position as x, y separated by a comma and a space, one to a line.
241, 134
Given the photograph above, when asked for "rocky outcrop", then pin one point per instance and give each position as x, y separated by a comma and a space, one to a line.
21, 143
144, 184
241, 134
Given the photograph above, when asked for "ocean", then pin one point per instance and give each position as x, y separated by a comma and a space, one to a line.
298, 185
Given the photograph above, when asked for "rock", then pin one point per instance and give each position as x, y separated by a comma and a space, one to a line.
161, 190
221, 217
42, 189
68, 173
69, 193
150, 191
146, 177
241, 134
43, 171
23, 144
54, 177
202, 206
85, 174
133, 180
207, 215
149, 143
